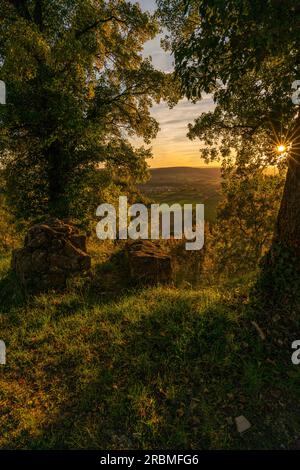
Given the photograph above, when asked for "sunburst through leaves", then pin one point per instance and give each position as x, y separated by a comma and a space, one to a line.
285, 143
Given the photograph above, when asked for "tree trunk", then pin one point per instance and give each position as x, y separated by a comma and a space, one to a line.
280, 277
58, 172
288, 222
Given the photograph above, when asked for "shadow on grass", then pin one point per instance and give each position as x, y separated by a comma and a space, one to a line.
106, 365
159, 372
11, 293
109, 280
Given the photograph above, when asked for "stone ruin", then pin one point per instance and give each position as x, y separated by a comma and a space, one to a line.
148, 263
53, 252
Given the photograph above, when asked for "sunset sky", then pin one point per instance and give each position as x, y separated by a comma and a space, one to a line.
172, 147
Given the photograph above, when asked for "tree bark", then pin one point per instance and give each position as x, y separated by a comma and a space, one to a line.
279, 282
58, 172
288, 221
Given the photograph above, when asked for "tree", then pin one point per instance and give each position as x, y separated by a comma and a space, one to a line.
243, 231
77, 89
246, 53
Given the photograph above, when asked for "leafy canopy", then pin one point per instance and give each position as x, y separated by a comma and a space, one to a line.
78, 88
245, 53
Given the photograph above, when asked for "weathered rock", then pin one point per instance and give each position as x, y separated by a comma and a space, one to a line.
148, 263
53, 251
242, 424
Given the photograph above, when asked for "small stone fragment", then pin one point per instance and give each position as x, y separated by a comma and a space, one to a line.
242, 424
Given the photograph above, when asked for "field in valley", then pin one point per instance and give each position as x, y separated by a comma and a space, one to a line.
185, 185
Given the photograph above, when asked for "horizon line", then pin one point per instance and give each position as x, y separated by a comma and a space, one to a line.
184, 166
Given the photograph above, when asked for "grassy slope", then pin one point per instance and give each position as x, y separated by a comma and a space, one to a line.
158, 368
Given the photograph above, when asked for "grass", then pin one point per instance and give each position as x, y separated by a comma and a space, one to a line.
159, 368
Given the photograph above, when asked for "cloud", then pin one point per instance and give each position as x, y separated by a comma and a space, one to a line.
161, 59
172, 146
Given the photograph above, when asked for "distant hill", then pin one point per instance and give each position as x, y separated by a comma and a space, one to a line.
185, 185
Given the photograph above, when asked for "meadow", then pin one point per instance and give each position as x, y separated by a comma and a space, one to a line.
185, 185
106, 365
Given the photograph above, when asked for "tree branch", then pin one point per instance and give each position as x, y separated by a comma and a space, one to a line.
79, 33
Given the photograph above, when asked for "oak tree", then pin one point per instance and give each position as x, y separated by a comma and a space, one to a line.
78, 88
246, 55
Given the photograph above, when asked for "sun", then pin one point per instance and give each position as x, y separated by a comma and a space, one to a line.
285, 142
281, 148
